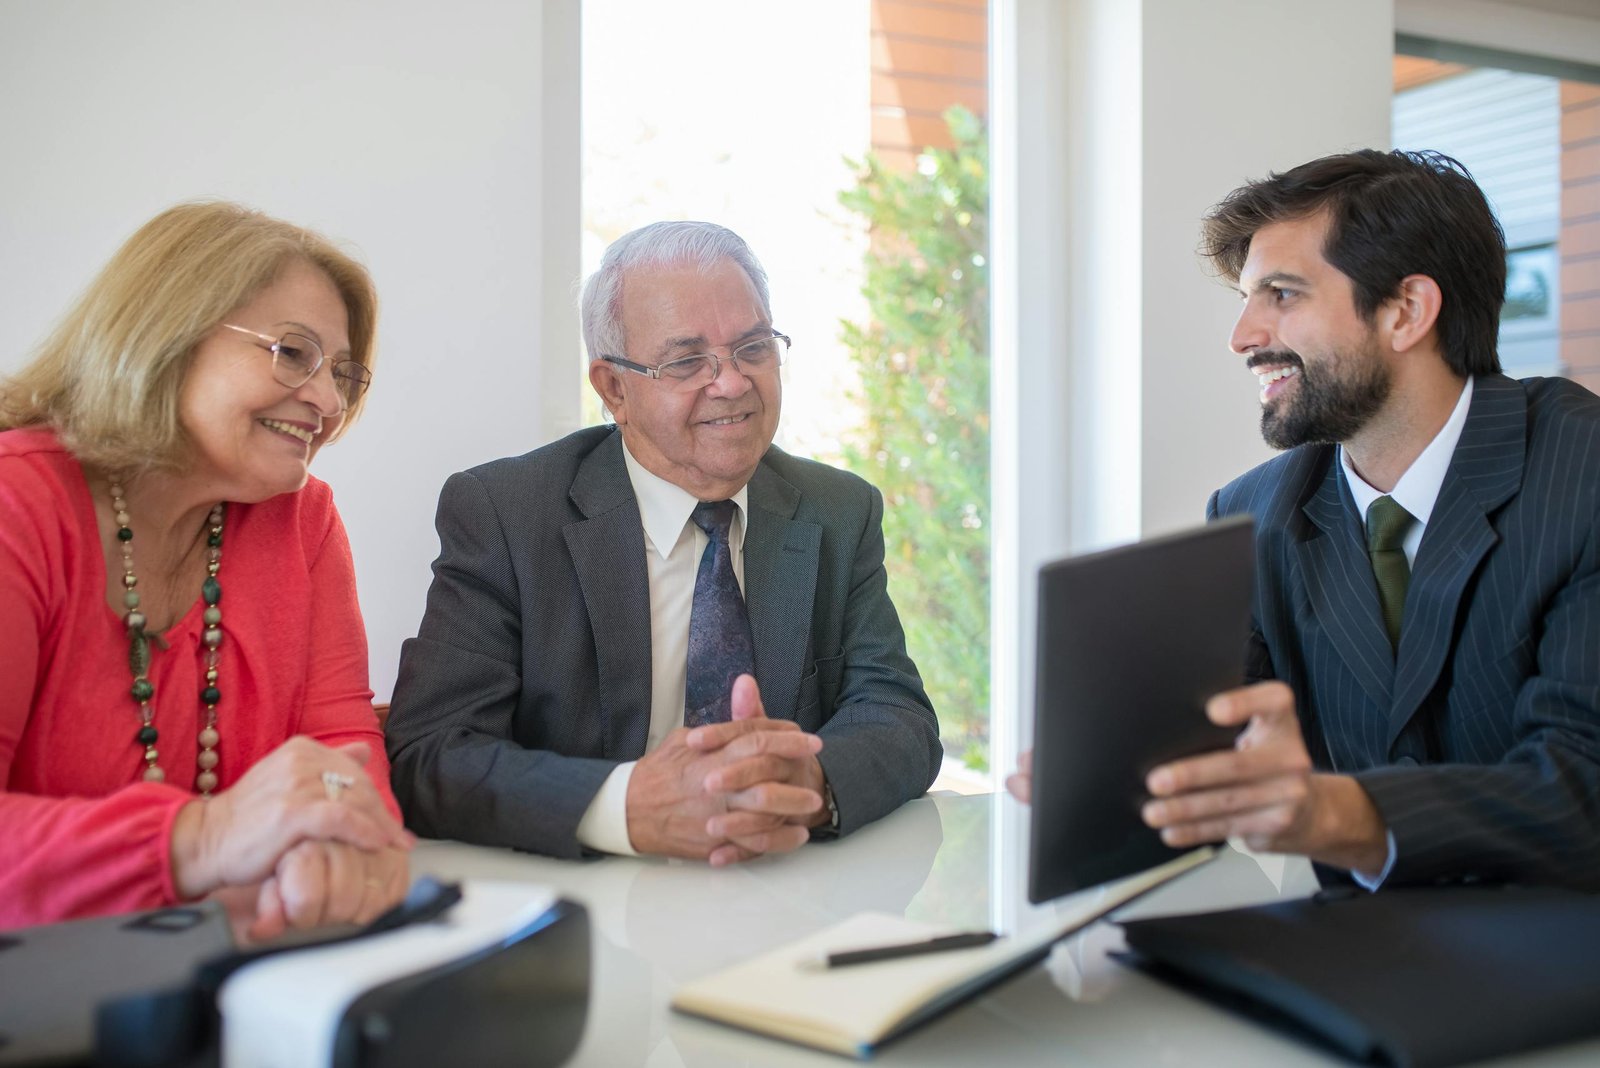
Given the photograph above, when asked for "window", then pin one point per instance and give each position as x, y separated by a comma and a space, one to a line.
1529, 132
836, 155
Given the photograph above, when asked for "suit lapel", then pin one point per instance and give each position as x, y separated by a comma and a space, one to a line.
780, 583
1485, 472
608, 551
1339, 583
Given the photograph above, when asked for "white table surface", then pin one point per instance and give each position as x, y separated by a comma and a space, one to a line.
947, 859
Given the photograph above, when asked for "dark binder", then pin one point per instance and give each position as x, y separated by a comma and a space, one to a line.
1411, 977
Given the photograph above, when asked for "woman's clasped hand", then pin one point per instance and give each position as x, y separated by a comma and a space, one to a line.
292, 851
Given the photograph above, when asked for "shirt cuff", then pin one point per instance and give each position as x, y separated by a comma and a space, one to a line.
604, 827
1373, 882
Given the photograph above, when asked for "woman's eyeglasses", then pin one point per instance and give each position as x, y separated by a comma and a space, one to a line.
295, 358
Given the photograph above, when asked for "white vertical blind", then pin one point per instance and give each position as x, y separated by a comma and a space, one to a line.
1505, 127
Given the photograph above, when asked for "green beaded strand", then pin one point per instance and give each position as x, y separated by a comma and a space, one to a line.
143, 691
210, 696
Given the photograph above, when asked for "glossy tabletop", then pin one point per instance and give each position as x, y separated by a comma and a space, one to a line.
947, 859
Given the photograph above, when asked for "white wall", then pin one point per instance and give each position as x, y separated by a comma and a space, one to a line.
438, 140
1507, 26
1232, 90
1119, 124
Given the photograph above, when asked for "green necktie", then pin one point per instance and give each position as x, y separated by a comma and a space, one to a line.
1387, 524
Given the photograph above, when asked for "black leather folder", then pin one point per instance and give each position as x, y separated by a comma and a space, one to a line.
1411, 977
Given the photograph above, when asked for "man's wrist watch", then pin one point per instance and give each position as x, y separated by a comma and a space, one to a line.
833, 806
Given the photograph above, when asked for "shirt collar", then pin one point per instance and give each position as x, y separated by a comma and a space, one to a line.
665, 508
1418, 489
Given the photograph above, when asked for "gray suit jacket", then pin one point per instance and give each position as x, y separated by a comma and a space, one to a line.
530, 678
1480, 741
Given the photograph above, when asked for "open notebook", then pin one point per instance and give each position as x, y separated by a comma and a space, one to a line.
855, 1009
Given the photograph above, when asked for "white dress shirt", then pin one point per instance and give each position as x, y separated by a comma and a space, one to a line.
1418, 489
1417, 492
673, 547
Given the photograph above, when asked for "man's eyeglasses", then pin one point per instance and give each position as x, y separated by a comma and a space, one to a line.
295, 358
686, 374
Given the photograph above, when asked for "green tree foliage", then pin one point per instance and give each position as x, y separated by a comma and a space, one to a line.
923, 360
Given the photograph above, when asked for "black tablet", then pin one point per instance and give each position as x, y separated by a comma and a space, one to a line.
1132, 641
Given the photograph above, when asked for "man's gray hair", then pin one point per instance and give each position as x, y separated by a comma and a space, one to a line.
663, 244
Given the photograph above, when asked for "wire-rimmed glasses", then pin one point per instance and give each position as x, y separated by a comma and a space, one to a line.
295, 358
686, 374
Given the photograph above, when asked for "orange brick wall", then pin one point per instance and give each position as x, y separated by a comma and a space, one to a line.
1580, 232
1412, 71
926, 56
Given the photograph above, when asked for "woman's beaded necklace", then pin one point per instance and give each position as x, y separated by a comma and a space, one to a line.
139, 648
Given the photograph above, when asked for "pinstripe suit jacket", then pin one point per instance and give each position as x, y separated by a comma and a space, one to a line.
1479, 741
530, 679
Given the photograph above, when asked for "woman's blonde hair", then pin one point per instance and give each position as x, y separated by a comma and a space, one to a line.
107, 380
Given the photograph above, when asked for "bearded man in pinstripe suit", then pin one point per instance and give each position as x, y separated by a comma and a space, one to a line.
1436, 716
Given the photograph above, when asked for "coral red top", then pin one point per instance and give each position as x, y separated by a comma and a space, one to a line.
80, 833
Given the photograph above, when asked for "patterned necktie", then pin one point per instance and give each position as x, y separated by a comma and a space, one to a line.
719, 626
1387, 524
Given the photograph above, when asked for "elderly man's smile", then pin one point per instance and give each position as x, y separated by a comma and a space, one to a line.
727, 420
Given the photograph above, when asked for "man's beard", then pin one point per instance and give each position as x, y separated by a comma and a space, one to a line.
1329, 403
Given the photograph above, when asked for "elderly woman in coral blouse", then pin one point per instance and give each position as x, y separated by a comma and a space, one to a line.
184, 707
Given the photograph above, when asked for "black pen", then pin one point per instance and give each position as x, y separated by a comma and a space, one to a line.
967, 940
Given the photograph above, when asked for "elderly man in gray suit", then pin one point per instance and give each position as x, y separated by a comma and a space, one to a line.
665, 636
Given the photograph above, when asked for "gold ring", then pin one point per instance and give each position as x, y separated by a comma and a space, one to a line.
334, 784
